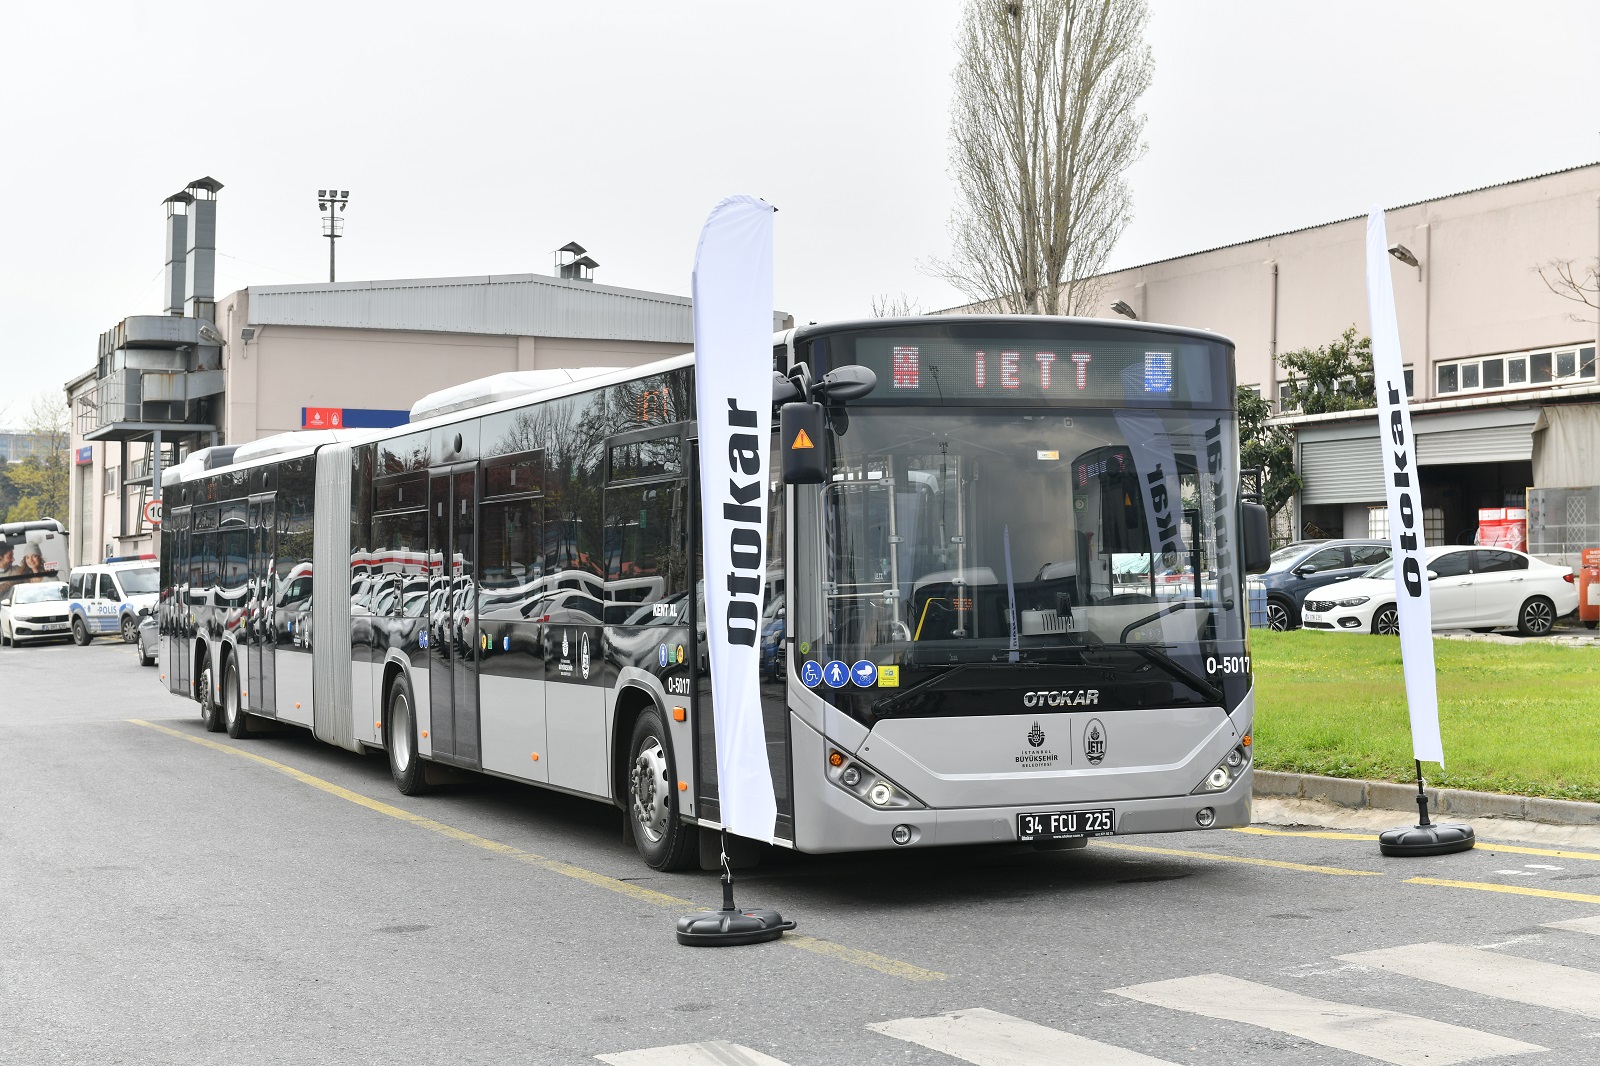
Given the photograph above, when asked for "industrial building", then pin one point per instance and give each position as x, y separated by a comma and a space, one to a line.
269, 359
1506, 404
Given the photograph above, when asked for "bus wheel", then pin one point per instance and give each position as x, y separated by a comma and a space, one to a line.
233, 712
400, 739
662, 838
210, 712
80, 632
130, 628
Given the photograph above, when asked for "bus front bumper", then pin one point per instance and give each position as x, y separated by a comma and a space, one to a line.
837, 821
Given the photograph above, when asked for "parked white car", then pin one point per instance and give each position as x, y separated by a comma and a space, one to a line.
1469, 588
33, 611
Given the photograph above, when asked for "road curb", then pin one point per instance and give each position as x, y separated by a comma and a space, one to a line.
1386, 795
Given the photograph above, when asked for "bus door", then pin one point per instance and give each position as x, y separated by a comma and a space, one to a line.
257, 628
176, 608
453, 613
774, 655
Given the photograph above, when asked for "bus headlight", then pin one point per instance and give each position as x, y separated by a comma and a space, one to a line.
867, 784
1226, 772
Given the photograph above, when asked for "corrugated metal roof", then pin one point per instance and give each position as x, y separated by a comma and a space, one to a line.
525, 305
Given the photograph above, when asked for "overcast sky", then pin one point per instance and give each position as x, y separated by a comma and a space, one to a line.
476, 138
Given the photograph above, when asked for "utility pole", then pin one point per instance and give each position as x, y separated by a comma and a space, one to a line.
332, 201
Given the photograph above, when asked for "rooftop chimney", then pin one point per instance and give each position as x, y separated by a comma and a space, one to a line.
177, 248
200, 291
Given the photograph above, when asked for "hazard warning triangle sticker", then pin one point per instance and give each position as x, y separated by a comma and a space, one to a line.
801, 441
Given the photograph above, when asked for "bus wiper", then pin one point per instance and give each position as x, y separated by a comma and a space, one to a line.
1177, 669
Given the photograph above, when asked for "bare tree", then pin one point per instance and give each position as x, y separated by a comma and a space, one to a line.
901, 306
1570, 280
1044, 124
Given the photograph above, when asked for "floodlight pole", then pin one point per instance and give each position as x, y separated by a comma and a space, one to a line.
332, 201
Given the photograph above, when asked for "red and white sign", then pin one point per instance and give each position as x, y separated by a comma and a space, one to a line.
323, 418
1503, 527
152, 512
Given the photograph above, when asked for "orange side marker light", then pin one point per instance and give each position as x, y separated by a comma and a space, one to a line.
679, 714
424, 734
1246, 740
835, 759
535, 756
683, 786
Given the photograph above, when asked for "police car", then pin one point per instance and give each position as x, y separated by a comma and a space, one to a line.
106, 598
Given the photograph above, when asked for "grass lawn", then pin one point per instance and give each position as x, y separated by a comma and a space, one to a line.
1521, 719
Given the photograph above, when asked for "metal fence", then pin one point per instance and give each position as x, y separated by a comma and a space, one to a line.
1563, 522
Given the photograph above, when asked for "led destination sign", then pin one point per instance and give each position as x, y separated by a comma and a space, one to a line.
1150, 371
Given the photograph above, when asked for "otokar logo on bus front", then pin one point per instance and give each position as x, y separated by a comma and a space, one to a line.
1065, 697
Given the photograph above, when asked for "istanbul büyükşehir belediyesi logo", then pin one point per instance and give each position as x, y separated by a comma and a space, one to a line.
1036, 735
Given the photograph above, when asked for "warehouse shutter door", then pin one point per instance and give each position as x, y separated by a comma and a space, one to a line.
1490, 444
1342, 471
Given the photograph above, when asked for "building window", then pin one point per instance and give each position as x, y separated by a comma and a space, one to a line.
109, 480
1559, 366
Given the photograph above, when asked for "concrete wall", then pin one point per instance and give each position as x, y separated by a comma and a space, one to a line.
1477, 293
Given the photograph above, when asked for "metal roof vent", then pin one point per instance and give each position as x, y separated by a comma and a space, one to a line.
573, 264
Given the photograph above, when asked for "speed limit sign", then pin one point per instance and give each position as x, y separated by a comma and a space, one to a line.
152, 512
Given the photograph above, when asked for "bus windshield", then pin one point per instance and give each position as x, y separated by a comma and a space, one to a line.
1009, 540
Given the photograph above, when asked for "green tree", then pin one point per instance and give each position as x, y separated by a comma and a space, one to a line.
1271, 448
41, 482
1333, 377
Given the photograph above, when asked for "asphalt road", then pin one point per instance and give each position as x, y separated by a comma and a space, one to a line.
169, 895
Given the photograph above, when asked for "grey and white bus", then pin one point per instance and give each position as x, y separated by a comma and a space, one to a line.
1013, 611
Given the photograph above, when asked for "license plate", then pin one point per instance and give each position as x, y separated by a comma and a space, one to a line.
53, 626
1311, 616
1059, 825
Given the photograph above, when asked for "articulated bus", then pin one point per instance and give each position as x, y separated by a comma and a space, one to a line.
1013, 611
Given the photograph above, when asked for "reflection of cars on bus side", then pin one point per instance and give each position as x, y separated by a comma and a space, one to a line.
772, 631
108, 597
149, 642
33, 611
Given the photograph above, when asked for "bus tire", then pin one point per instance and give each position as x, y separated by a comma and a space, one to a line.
234, 716
663, 840
210, 711
410, 773
80, 632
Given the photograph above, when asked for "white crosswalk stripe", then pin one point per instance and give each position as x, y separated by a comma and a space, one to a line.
706, 1053
1581, 925
989, 1038
1385, 1035
1489, 973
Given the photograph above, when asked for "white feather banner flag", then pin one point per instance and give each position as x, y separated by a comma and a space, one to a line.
1409, 550
733, 405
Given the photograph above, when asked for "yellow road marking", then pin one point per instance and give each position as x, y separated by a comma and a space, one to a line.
1275, 863
1554, 853
1485, 845
882, 964
1514, 890
854, 956
1299, 833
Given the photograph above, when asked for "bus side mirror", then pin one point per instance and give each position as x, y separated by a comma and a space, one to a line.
1257, 540
802, 433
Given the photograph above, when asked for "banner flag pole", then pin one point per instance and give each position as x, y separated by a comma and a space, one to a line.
733, 408
1408, 554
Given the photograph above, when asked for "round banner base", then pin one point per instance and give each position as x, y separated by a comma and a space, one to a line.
1439, 838
727, 928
